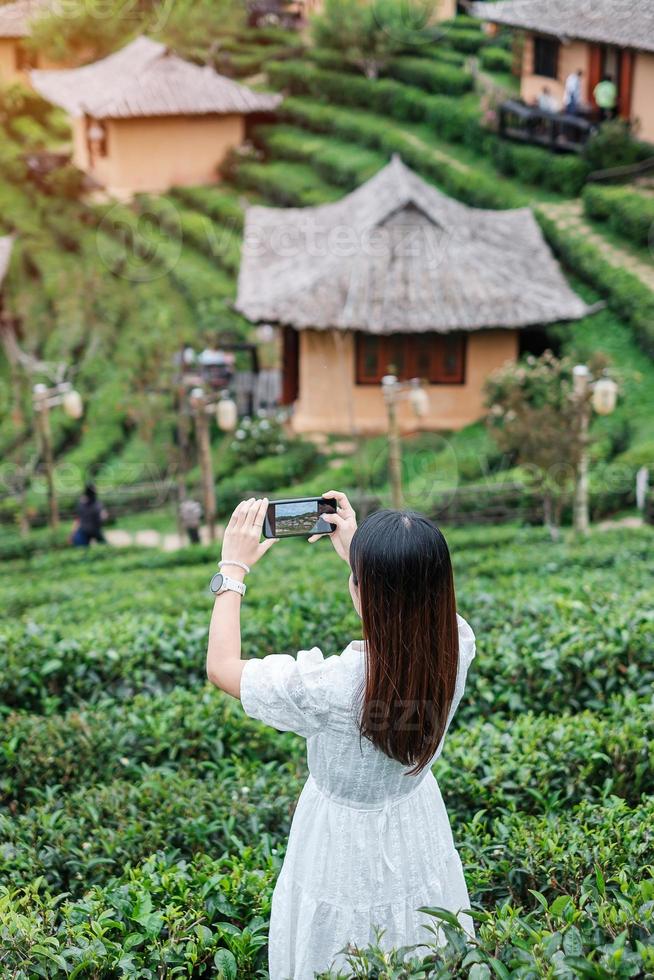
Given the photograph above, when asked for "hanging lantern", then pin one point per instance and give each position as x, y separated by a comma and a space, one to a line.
72, 404
226, 414
605, 396
419, 401
580, 379
196, 397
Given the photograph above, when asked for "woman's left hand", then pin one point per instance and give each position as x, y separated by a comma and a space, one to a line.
242, 538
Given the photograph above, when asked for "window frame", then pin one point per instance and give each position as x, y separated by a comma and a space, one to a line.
385, 348
543, 58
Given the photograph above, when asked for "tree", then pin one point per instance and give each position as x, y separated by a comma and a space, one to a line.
85, 30
534, 415
368, 33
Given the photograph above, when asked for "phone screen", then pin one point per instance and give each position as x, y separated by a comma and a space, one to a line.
298, 517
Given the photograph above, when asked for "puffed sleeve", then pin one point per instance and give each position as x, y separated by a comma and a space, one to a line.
289, 693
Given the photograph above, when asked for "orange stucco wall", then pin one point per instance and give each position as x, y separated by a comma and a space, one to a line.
8, 71
642, 99
330, 400
571, 57
8, 60
158, 153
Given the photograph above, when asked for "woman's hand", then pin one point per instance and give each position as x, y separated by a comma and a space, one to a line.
346, 524
242, 538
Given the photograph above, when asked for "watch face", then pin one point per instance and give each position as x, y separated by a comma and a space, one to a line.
217, 582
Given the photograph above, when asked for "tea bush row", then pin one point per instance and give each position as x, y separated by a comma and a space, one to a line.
92, 834
89, 836
209, 914
529, 763
627, 212
625, 292
448, 118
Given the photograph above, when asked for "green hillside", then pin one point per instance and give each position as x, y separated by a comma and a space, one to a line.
115, 289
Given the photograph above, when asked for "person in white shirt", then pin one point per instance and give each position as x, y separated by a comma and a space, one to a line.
546, 101
572, 96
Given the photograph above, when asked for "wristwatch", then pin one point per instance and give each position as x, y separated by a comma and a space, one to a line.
223, 583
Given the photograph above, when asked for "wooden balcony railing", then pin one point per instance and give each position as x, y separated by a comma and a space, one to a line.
556, 131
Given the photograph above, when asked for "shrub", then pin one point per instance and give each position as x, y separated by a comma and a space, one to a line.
284, 184
496, 59
450, 120
563, 174
613, 145
91, 835
466, 39
339, 163
627, 295
266, 474
627, 212
431, 76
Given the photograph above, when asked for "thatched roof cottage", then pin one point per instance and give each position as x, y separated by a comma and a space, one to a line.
396, 273
605, 37
146, 120
15, 27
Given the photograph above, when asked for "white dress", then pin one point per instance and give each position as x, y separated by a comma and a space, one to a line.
368, 844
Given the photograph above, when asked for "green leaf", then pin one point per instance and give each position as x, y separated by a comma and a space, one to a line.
225, 963
500, 970
540, 898
572, 942
559, 904
599, 878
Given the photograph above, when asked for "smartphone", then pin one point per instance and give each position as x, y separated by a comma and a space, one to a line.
298, 517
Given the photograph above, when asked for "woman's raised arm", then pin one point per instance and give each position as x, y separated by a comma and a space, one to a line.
241, 543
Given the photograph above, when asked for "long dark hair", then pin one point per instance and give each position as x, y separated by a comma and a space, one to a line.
401, 564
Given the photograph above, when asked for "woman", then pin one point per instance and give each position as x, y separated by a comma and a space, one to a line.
370, 841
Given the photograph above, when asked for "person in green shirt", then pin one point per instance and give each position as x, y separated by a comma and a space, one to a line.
605, 94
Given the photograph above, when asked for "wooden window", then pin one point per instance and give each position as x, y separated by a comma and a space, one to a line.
436, 358
23, 58
546, 57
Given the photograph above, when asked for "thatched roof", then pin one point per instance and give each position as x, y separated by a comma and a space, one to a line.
15, 17
6, 245
625, 23
146, 79
397, 255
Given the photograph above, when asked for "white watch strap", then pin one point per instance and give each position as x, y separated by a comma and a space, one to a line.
232, 585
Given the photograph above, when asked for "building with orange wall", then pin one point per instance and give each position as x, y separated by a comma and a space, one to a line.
396, 277
605, 37
16, 57
144, 119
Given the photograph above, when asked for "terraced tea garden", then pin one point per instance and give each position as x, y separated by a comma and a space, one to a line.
143, 817
85, 278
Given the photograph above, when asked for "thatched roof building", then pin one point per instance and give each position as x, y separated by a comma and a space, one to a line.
146, 79
613, 38
397, 255
15, 17
144, 119
397, 277
626, 23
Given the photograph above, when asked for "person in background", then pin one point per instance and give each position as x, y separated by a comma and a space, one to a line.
572, 95
190, 512
546, 101
90, 515
605, 94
